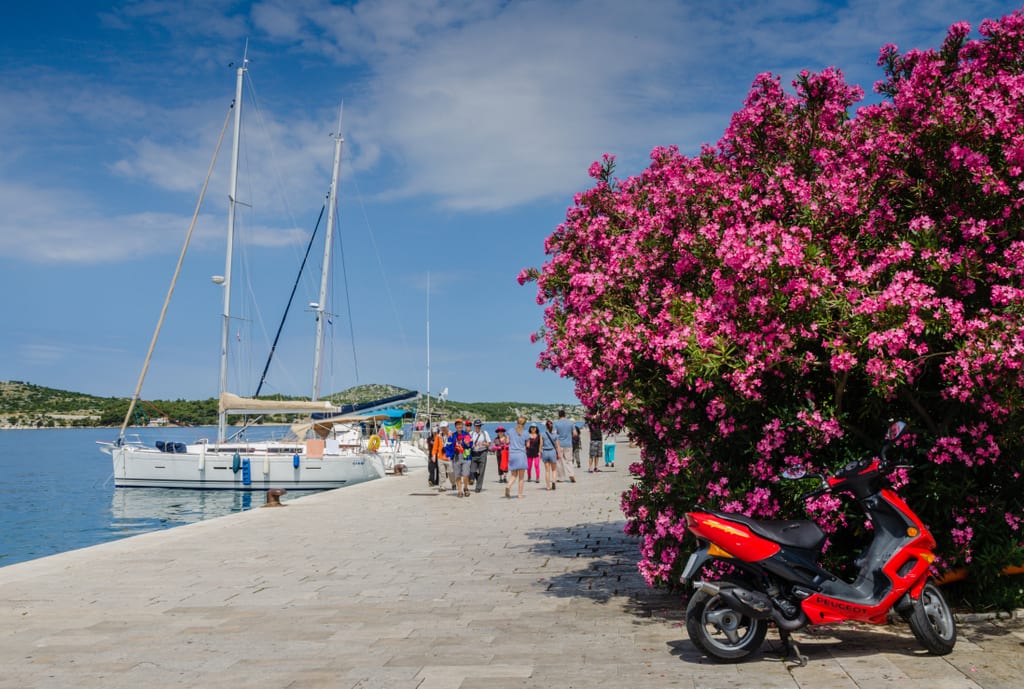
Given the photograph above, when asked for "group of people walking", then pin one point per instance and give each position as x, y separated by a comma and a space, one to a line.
459, 457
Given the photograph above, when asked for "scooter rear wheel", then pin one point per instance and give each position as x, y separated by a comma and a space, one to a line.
721, 632
932, 621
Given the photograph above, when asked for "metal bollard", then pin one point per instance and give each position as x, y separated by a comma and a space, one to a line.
274, 497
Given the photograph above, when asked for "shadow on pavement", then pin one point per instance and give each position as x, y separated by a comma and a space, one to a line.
610, 570
857, 640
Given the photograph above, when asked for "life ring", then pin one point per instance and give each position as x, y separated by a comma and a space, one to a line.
374, 443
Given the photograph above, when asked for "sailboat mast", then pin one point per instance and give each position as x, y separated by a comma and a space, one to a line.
321, 311
428, 352
232, 197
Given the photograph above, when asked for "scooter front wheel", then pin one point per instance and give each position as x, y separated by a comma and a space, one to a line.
932, 621
721, 632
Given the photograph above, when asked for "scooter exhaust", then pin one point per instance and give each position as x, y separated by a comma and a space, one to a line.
753, 604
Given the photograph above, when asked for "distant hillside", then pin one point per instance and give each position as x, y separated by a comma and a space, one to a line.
366, 393
24, 405
35, 406
451, 409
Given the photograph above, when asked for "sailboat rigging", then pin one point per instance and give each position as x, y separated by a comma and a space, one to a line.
327, 452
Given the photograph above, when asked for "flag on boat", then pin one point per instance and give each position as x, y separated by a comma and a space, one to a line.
393, 426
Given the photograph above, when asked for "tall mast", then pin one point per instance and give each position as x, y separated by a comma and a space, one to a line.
232, 198
428, 351
321, 311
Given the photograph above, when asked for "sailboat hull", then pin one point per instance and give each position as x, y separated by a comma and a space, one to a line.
257, 468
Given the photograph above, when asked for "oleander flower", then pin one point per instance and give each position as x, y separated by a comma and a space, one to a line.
776, 298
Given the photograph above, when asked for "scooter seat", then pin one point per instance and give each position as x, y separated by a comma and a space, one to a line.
796, 533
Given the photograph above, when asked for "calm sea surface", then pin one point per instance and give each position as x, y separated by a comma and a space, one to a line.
57, 493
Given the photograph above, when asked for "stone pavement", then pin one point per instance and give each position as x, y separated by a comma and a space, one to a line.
389, 585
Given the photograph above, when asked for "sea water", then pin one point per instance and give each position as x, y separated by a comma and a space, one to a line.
57, 492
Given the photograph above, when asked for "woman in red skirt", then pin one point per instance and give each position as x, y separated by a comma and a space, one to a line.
501, 453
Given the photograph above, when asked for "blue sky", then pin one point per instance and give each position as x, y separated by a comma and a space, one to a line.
469, 125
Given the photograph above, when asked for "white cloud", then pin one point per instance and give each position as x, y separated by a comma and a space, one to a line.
85, 183
508, 107
470, 105
42, 354
512, 108
53, 225
59, 226
208, 18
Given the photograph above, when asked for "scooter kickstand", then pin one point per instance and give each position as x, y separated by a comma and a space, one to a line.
792, 649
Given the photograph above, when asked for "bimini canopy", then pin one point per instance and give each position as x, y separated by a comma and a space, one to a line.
233, 404
393, 413
322, 427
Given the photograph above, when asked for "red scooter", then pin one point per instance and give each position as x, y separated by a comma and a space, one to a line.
774, 575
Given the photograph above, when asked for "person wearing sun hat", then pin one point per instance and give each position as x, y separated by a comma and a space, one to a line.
478, 455
501, 443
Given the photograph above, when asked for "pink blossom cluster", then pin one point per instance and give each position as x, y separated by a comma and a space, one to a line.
772, 300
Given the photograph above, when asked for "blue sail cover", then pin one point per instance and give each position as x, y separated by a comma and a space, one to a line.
366, 406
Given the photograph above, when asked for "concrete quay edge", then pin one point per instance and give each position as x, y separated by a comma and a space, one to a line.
390, 584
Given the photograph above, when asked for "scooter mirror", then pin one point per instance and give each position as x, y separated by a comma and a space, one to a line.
794, 472
895, 430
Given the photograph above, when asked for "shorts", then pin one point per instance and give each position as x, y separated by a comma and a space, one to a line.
596, 448
461, 468
548, 457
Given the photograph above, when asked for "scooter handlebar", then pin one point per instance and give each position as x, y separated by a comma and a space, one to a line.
813, 494
820, 490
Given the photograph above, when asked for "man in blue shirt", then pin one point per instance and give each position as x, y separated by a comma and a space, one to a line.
458, 450
563, 427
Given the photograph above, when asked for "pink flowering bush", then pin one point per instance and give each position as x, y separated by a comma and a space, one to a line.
776, 299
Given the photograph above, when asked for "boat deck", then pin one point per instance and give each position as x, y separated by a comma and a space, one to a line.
388, 584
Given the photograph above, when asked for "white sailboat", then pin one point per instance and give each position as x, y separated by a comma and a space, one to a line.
327, 453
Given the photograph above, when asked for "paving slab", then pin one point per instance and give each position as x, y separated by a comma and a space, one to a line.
391, 585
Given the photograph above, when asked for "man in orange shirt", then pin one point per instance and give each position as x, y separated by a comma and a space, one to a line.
437, 455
